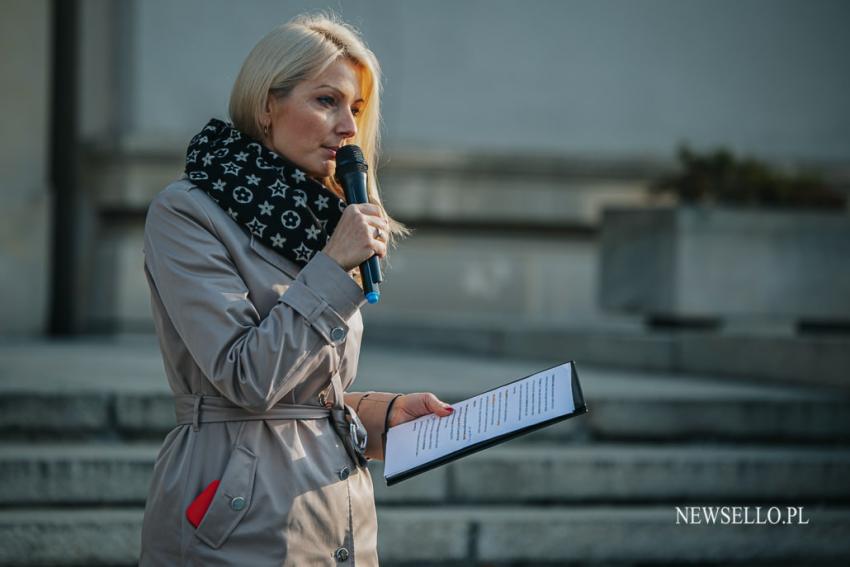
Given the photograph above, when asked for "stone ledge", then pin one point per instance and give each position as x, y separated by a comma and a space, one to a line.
470, 535
109, 474
39, 412
648, 535
49, 474
816, 361
645, 473
644, 409
71, 390
70, 537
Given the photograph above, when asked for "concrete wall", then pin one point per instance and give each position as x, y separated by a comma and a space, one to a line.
590, 77
24, 189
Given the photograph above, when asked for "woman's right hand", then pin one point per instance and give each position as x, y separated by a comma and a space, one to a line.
353, 241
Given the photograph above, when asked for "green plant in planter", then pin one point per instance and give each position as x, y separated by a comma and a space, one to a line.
720, 177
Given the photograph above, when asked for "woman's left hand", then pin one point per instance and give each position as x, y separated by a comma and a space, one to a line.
410, 406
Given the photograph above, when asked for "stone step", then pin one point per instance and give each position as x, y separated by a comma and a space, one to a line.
470, 535
109, 474
628, 404
593, 535
622, 473
768, 358
109, 390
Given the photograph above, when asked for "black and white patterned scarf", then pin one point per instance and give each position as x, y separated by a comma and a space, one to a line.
263, 192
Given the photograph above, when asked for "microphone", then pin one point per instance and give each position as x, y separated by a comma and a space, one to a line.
351, 171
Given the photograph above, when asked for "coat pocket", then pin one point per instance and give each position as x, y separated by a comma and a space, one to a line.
232, 499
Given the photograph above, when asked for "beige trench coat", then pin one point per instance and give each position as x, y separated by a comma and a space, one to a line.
237, 321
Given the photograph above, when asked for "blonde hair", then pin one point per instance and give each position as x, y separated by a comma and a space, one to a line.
302, 49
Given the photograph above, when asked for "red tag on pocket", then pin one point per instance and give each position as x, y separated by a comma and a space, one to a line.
196, 510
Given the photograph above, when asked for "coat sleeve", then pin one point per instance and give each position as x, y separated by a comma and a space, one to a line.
253, 362
372, 408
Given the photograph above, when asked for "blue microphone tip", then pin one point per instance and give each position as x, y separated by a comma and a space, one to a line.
373, 296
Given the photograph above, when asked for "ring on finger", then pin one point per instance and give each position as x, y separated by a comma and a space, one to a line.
378, 234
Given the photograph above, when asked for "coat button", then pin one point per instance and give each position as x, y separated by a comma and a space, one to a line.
341, 554
337, 333
237, 503
344, 472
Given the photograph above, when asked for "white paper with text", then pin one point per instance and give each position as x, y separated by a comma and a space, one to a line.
521, 404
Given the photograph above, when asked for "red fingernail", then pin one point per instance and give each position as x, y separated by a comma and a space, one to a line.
450, 408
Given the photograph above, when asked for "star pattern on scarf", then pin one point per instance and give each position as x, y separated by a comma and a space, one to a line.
313, 232
266, 208
256, 227
303, 252
278, 188
231, 168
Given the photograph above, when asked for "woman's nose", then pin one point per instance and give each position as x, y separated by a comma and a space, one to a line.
347, 125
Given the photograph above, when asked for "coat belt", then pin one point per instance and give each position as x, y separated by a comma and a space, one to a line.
195, 409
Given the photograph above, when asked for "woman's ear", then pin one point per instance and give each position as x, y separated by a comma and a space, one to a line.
265, 118
268, 105
268, 109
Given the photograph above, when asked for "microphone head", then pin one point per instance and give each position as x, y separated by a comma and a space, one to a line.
350, 158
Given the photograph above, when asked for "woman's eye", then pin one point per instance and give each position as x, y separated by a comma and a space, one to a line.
326, 100
355, 111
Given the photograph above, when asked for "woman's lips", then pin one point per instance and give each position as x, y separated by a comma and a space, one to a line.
330, 151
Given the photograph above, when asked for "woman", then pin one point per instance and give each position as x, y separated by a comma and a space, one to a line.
251, 260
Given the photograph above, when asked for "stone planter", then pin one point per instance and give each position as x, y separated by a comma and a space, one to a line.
715, 264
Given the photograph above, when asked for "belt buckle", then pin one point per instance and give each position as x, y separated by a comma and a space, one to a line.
358, 433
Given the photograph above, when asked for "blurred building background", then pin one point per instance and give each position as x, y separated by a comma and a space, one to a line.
520, 140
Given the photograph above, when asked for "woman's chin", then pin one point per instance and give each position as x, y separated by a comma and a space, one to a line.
326, 169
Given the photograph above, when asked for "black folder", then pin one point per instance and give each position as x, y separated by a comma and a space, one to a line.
579, 408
